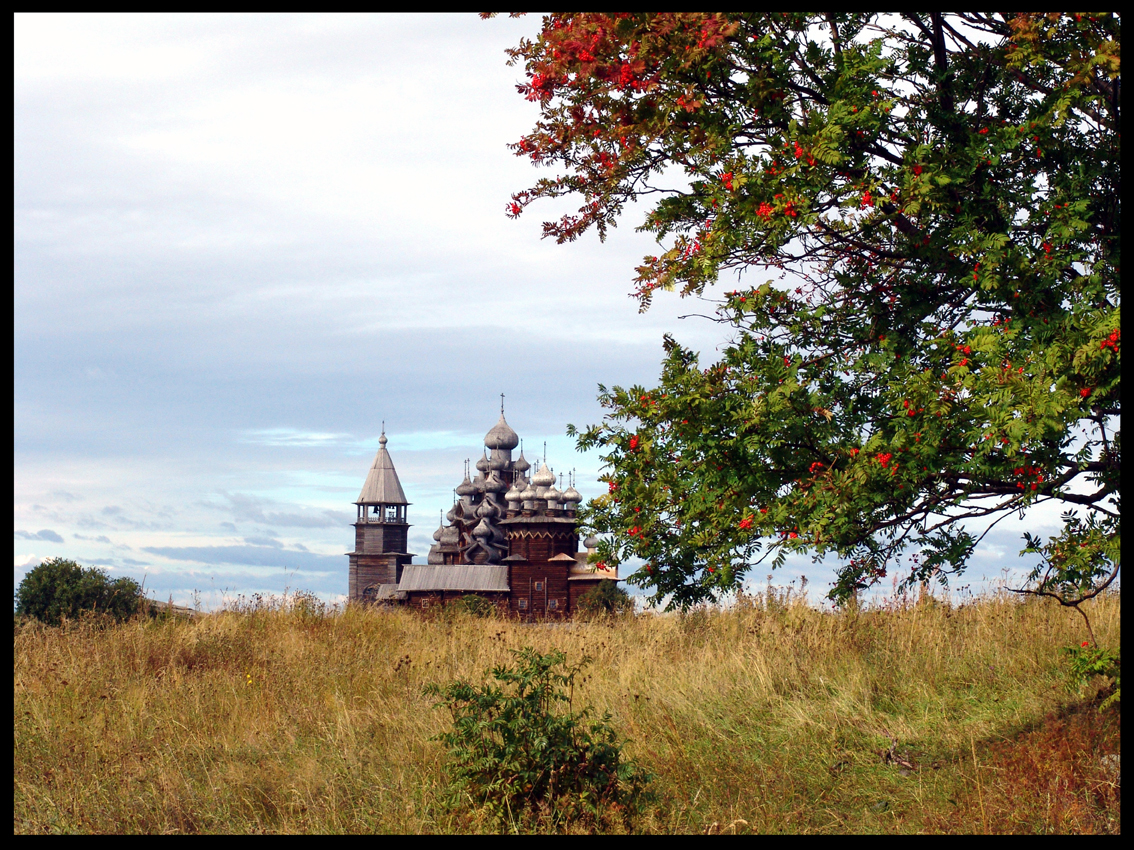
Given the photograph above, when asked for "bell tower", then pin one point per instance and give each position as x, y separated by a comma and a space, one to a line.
381, 532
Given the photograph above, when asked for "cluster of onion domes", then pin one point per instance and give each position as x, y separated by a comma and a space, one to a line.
540, 494
500, 489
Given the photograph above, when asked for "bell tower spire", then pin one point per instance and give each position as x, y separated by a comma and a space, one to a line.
381, 531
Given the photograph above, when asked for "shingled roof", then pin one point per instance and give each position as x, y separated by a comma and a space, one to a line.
382, 486
455, 577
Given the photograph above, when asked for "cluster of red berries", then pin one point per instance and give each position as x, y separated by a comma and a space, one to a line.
1111, 341
1026, 472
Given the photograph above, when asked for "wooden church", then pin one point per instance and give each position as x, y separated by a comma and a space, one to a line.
508, 538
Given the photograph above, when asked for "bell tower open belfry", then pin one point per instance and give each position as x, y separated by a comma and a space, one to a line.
381, 533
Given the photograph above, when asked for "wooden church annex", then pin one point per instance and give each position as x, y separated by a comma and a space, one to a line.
508, 539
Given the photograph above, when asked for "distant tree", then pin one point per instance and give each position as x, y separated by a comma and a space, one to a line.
606, 597
945, 190
60, 589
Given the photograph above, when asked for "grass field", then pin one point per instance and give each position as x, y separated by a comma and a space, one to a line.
768, 717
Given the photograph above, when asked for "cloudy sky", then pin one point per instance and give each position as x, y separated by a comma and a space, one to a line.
244, 242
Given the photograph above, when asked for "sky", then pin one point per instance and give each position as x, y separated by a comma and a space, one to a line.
245, 242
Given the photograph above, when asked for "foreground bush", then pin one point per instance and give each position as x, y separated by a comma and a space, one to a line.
514, 754
60, 589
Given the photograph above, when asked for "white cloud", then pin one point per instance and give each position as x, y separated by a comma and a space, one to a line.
25, 562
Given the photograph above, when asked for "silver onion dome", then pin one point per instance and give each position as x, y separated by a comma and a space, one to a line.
501, 436
495, 484
544, 478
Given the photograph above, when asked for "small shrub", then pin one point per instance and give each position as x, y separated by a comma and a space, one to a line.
60, 589
514, 754
1088, 661
476, 606
605, 599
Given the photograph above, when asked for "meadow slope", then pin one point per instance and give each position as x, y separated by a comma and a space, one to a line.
768, 717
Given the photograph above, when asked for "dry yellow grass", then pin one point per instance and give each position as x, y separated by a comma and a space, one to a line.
768, 717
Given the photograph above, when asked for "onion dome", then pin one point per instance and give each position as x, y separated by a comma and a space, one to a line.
482, 464
436, 557
544, 478
499, 459
571, 495
487, 510
501, 436
552, 495
483, 529
495, 484
479, 482
513, 494
465, 488
528, 494
451, 536
591, 542
521, 465
440, 530
454, 514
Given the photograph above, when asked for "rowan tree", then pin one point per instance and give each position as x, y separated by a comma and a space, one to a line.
936, 199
